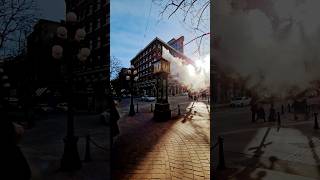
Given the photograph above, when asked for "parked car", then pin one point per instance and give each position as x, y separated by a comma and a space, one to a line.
105, 117
148, 98
14, 103
240, 101
62, 106
43, 108
184, 94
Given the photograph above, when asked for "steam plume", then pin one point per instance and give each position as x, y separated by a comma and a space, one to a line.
194, 76
274, 44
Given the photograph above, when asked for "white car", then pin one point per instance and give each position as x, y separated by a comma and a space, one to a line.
45, 108
148, 98
62, 106
240, 101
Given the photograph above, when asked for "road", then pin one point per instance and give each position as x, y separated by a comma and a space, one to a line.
265, 150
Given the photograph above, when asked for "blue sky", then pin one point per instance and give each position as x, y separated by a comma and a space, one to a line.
51, 10
132, 28
47, 9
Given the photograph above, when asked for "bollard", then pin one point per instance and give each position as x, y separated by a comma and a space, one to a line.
221, 164
137, 108
279, 120
316, 125
179, 113
87, 157
151, 107
282, 109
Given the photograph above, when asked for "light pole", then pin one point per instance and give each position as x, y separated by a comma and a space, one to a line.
132, 77
162, 107
69, 46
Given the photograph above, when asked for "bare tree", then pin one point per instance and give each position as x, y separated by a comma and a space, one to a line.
115, 67
193, 13
16, 19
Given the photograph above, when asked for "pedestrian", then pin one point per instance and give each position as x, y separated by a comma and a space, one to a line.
261, 113
254, 109
14, 164
272, 113
295, 109
114, 117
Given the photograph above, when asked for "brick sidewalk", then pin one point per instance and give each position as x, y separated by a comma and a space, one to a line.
265, 151
176, 149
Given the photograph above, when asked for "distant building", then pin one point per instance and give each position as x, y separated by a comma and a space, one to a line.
124, 84
149, 55
177, 44
42, 68
223, 87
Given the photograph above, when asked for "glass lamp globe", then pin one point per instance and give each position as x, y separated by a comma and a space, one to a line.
80, 35
62, 32
71, 17
135, 72
57, 52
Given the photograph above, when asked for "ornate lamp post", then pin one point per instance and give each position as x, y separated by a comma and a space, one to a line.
132, 77
69, 47
162, 107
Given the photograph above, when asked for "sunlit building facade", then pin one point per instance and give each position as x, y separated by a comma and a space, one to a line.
145, 60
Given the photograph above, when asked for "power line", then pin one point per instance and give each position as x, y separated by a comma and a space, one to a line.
147, 25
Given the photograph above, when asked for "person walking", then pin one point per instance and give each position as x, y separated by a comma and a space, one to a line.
14, 164
114, 118
261, 113
254, 109
272, 113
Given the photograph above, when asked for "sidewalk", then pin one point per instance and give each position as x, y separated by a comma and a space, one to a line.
176, 149
291, 151
43, 147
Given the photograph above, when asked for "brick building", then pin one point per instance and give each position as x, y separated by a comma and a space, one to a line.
151, 54
94, 16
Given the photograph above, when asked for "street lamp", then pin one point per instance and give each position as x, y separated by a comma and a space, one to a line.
69, 46
131, 76
162, 107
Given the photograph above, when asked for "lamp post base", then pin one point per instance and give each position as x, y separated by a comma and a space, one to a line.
131, 111
162, 111
70, 160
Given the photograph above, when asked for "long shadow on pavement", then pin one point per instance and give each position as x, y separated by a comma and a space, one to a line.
137, 149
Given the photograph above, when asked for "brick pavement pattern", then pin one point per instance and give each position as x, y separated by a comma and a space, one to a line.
175, 149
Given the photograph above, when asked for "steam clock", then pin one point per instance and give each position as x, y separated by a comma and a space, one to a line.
162, 107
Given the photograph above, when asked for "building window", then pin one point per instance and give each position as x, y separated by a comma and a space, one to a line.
99, 42
90, 45
98, 5
99, 23
90, 9
90, 27
94, 44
